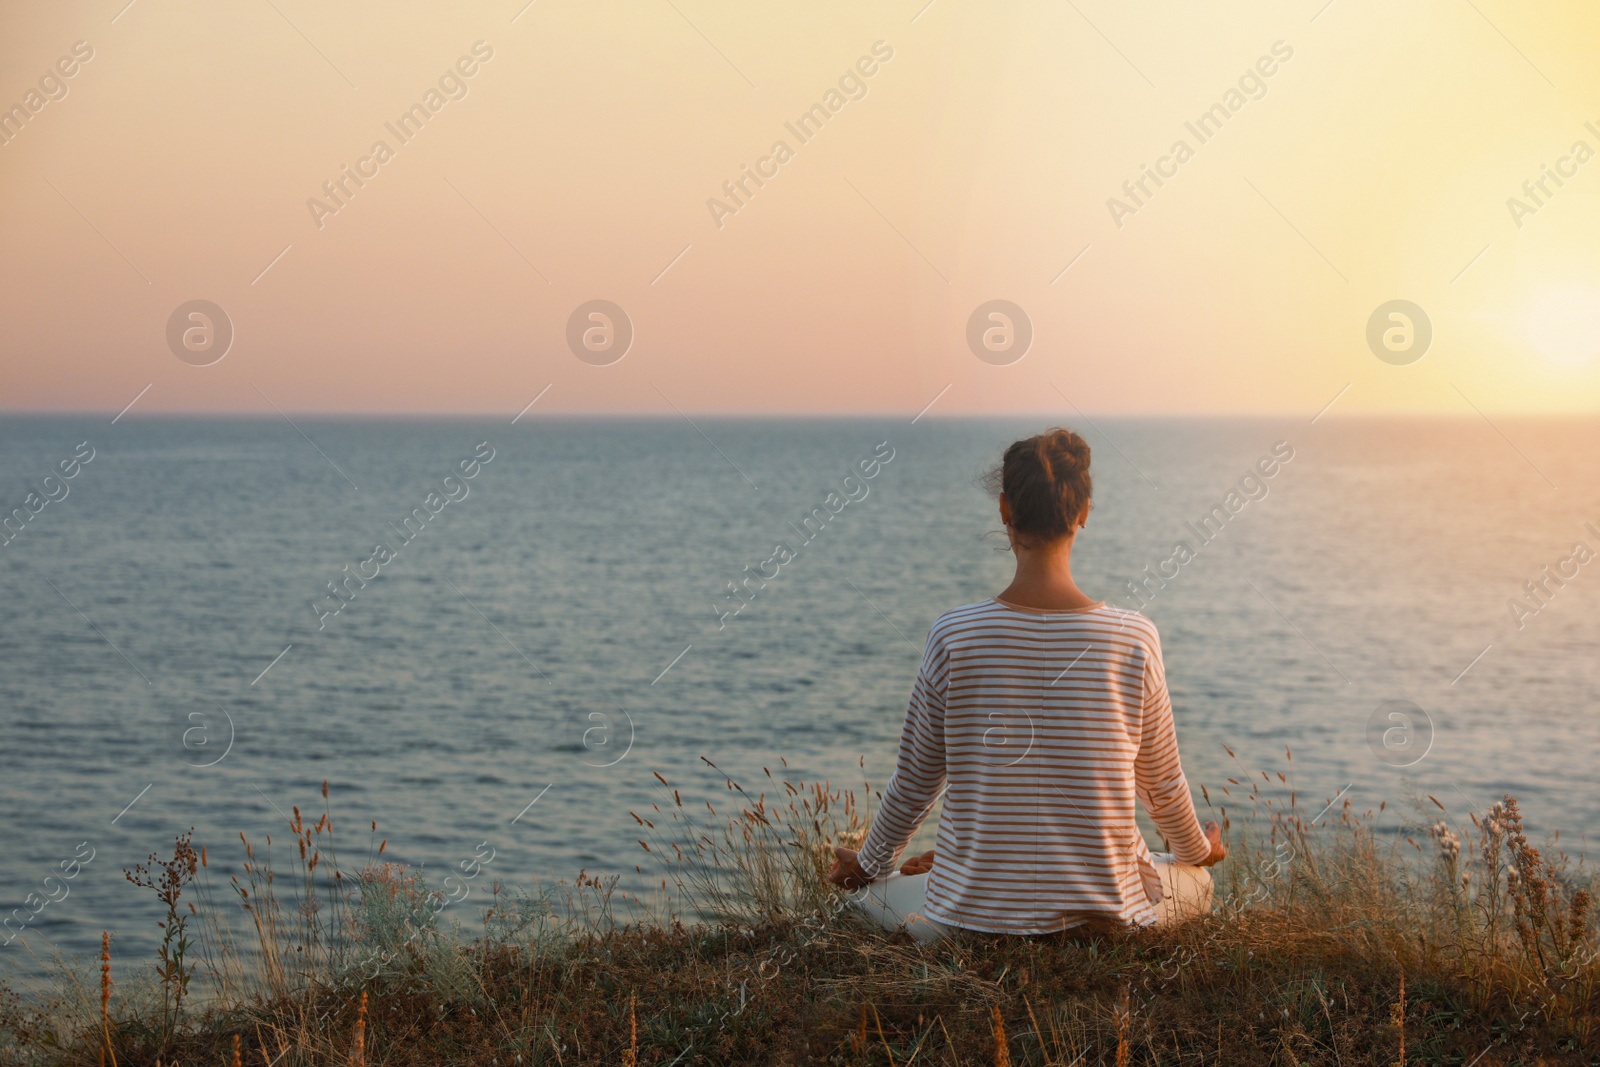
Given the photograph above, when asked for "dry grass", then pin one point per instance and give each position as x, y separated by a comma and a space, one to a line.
1332, 944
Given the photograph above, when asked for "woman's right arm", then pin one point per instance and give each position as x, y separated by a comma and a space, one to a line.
1158, 775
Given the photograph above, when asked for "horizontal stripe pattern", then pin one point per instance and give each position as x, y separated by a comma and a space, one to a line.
1043, 730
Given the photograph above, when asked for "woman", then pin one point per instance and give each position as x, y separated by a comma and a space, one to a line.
1046, 714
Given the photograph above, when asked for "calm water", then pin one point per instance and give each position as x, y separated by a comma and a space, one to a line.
458, 685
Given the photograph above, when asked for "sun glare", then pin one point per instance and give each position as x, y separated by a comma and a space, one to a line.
1564, 325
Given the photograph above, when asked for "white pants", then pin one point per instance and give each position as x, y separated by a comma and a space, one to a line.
896, 902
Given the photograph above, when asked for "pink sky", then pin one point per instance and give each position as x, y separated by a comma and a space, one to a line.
977, 162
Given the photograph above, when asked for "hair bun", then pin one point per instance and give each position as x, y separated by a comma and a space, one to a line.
1045, 480
1068, 450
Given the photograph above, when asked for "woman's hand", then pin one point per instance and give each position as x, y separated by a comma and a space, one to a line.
847, 871
919, 864
1219, 851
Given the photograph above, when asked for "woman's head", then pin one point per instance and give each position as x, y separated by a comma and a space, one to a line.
1044, 486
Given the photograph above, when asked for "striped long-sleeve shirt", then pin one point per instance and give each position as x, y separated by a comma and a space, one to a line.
1047, 727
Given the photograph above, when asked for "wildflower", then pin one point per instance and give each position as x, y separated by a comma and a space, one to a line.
1495, 822
1449, 841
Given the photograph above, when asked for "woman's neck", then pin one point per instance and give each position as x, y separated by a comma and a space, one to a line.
1044, 579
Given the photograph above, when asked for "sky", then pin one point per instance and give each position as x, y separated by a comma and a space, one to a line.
1358, 154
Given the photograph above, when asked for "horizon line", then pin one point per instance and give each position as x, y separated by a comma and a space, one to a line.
356, 415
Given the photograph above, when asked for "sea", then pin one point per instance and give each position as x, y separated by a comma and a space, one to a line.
496, 638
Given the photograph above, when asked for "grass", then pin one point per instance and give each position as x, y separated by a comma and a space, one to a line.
1332, 943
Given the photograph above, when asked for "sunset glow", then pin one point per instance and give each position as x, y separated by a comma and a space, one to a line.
798, 212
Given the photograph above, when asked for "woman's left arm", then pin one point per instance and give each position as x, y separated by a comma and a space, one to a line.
919, 773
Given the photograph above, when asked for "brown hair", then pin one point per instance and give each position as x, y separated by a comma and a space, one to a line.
1045, 478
